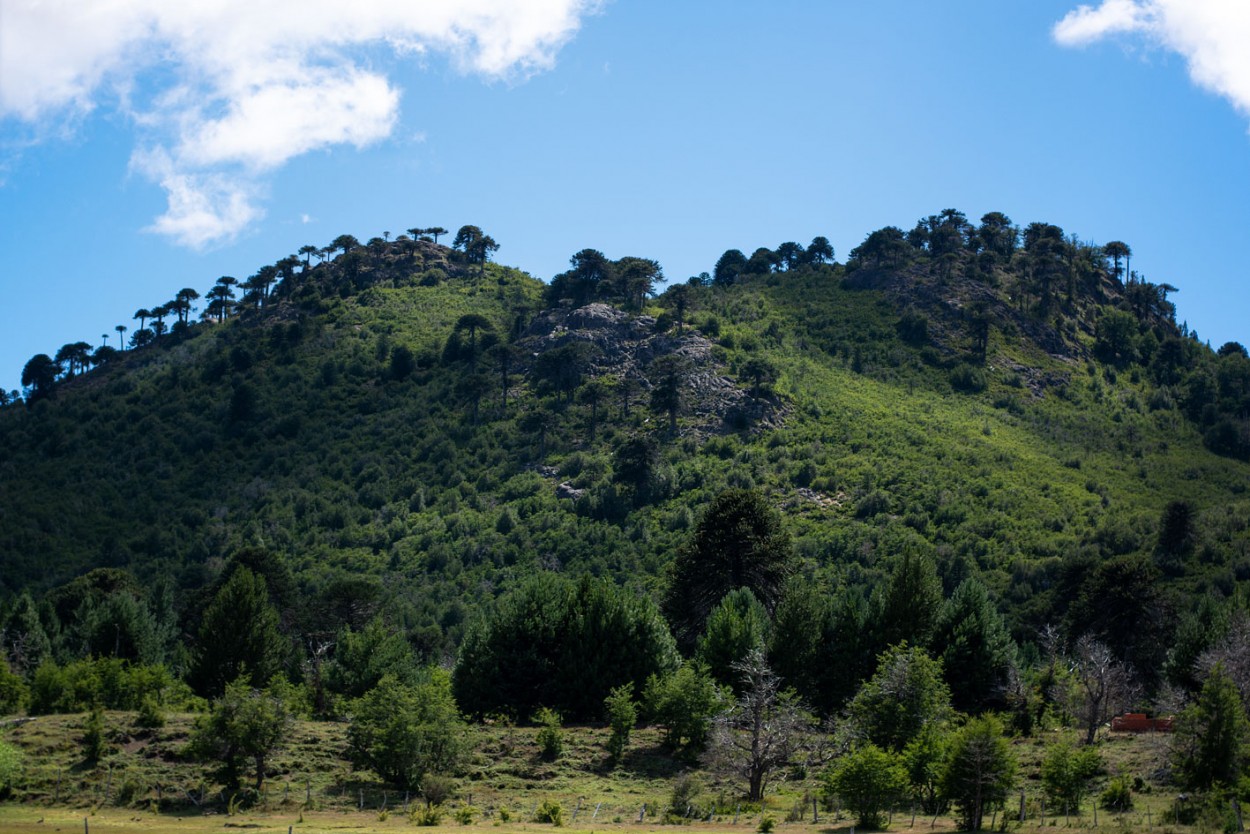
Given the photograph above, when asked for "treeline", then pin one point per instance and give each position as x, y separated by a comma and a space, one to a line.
290, 277
912, 685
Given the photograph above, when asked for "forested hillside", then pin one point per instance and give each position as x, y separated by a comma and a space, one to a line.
985, 440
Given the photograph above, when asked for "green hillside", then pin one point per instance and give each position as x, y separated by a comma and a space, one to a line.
1017, 412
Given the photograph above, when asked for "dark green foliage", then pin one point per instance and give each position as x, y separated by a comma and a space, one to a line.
738, 543
363, 658
622, 714
403, 732
24, 639
13, 690
94, 741
563, 645
735, 628
910, 605
121, 625
239, 636
1066, 774
976, 650
868, 781
1122, 602
429, 497
684, 702
1211, 736
980, 772
244, 723
1198, 630
905, 696
550, 736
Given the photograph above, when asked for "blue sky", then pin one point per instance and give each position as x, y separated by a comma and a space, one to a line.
667, 130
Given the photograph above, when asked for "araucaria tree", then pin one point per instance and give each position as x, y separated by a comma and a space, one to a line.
764, 731
738, 543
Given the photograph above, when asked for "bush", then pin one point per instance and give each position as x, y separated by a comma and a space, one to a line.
549, 811
684, 799
1066, 774
684, 703
436, 789
867, 780
245, 723
150, 716
966, 378
550, 742
13, 692
1118, 795
94, 745
10, 768
404, 732
429, 816
622, 715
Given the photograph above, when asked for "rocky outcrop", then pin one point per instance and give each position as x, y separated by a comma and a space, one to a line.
627, 346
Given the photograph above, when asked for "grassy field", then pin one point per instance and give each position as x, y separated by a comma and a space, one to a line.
146, 784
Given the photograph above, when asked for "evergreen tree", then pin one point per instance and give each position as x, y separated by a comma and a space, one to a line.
980, 772
736, 627
908, 608
976, 650
1209, 745
238, 637
738, 543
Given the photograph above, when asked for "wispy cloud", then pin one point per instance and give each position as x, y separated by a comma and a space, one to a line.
221, 93
1212, 35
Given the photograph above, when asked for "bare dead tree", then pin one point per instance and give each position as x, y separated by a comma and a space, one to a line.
764, 731
1233, 651
1098, 686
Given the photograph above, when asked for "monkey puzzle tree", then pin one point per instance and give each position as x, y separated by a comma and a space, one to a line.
1115, 250
738, 543
39, 376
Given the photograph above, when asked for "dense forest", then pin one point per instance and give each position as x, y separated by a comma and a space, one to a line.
979, 466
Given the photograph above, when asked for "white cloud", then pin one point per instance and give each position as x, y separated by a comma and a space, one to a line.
235, 88
1212, 35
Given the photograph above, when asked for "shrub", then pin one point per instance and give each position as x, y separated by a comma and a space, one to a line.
151, 716
549, 811
550, 742
94, 745
428, 816
436, 789
404, 732
622, 715
867, 780
684, 703
10, 767
13, 692
684, 798
1118, 795
1066, 773
966, 378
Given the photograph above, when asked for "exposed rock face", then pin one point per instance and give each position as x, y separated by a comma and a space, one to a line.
627, 345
